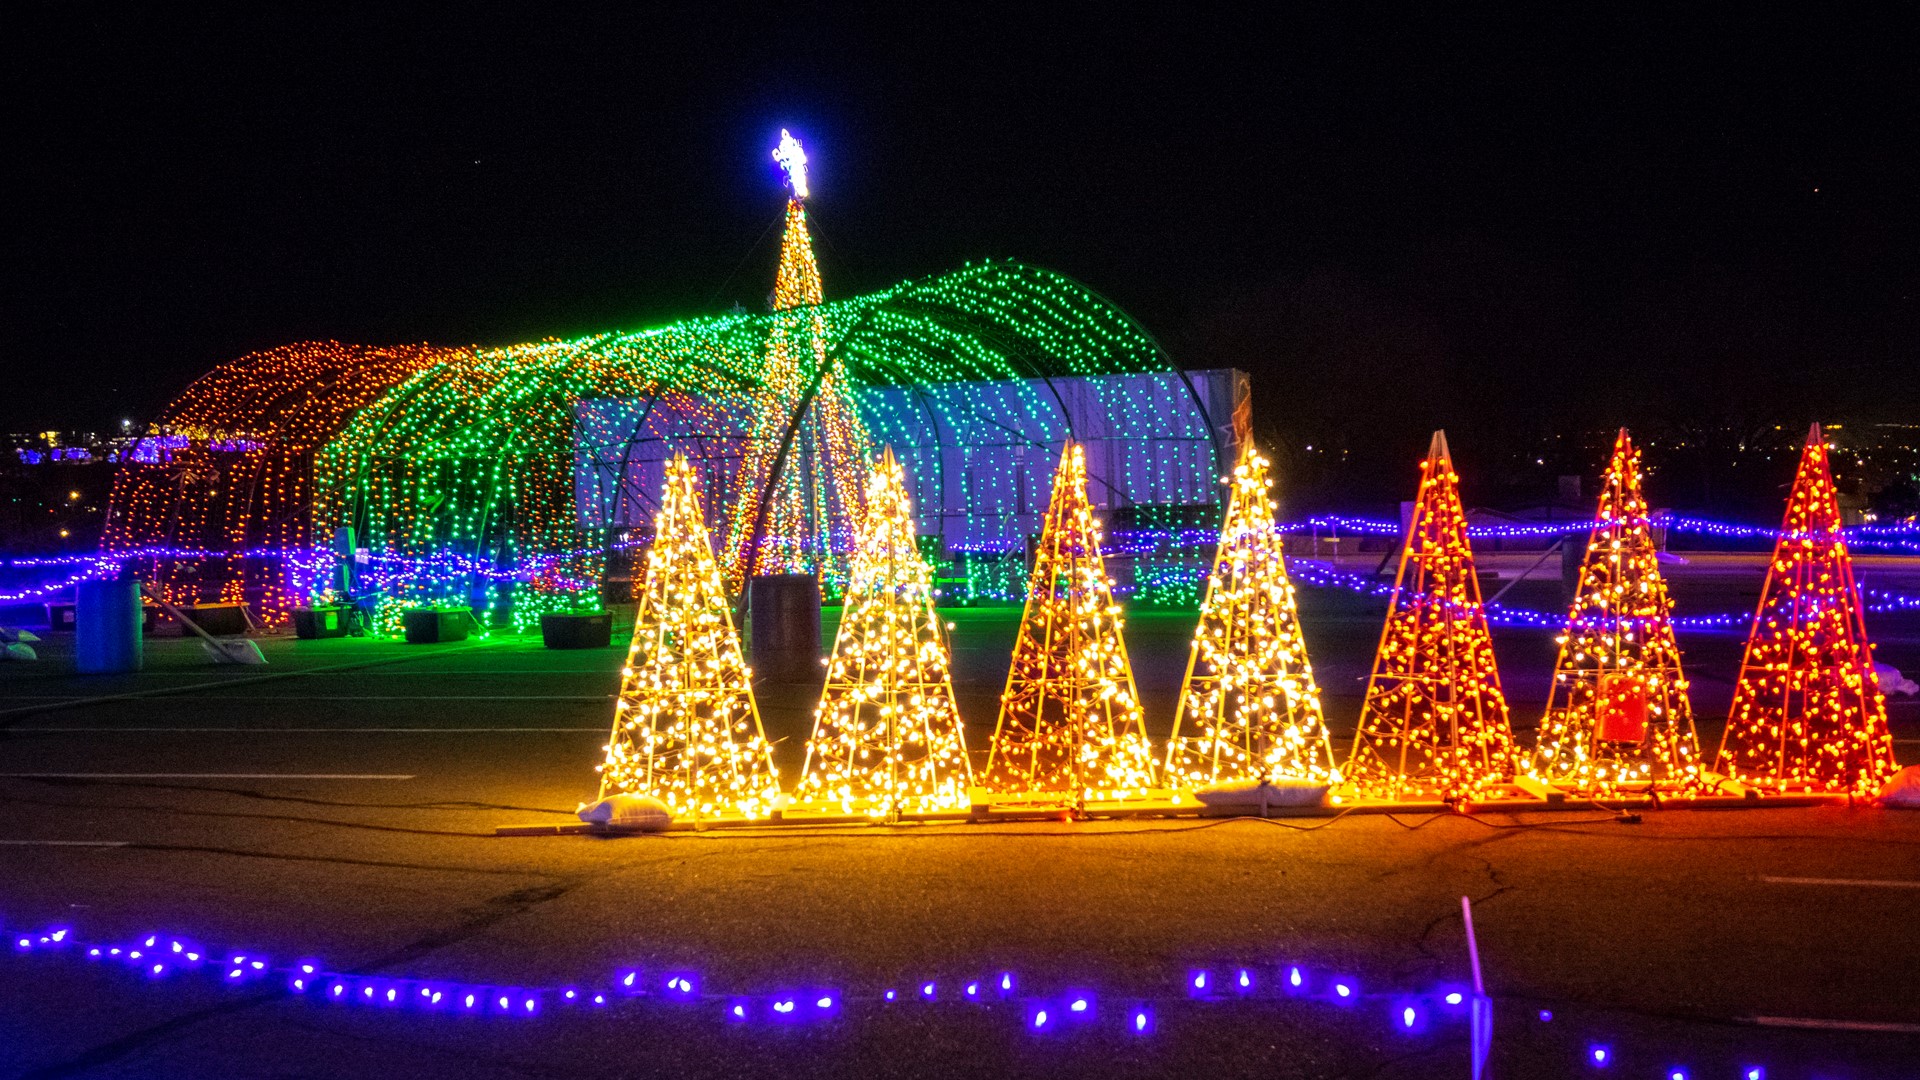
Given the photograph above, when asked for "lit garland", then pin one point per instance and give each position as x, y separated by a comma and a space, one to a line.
1617, 711
686, 729
887, 735
1070, 719
1807, 711
1249, 697
229, 465
1434, 720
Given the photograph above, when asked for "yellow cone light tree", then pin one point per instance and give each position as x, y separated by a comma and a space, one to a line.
1617, 712
1249, 709
1434, 722
1070, 719
887, 736
686, 729
1808, 713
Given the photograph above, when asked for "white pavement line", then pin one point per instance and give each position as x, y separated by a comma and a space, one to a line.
65, 843
200, 776
602, 729
1863, 882
1834, 1025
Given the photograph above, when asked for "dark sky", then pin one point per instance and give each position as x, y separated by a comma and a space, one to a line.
1595, 219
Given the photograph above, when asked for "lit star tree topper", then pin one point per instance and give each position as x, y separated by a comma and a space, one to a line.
1249, 705
1808, 713
1434, 721
1617, 710
793, 161
1070, 719
887, 735
686, 729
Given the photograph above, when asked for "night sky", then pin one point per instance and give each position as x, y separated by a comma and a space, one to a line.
1500, 226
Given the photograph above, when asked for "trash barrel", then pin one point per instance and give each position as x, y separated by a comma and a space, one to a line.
107, 618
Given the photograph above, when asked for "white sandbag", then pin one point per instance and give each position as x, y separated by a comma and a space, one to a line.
643, 813
1256, 797
1892, 682
1903, 790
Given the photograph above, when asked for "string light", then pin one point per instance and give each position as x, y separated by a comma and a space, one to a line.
1070, 718
1249, 698
1434, 720
887, 736
686, 729
1807, 712
1617, 710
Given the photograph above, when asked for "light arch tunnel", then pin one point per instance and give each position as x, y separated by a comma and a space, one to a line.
506, 477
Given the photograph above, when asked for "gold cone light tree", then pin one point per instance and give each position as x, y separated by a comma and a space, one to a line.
1070, 719
1617, 711
1249, 705
887, 736
798, 491
1434, 722
1808, 713
686, 729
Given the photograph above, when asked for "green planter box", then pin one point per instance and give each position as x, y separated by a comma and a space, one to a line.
220, 620
577, 631
428, 626
322, 622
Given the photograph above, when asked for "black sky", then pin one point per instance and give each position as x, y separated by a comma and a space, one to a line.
1594, 219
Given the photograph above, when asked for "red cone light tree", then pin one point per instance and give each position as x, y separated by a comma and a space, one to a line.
1434, 722
1807, 712
1249, 708
1070, 720
1617, 712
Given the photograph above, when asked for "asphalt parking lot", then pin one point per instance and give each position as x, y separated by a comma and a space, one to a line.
340, 803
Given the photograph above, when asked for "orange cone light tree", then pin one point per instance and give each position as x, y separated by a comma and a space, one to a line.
1617, 712
1070, 719
1807, 712
1249, 702
1434, 721
887, 736
686, 729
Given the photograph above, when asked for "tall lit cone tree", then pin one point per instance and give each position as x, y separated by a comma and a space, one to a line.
1617, 712
1808, 714
887, 736
798, 491
1070, 719
1434, 722
686, 729
1249, 705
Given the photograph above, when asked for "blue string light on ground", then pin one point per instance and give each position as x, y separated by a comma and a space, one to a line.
174, 959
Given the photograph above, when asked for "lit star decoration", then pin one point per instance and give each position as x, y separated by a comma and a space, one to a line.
1434, 721
686, 729
806, 442
1070, 719
1617, 713
792, 158
1249, 699
887, 735
1808, 713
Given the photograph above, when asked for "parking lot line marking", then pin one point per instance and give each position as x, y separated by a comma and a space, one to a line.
602, 729
65, 843
1834, 1025
1863, 882
200, 776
